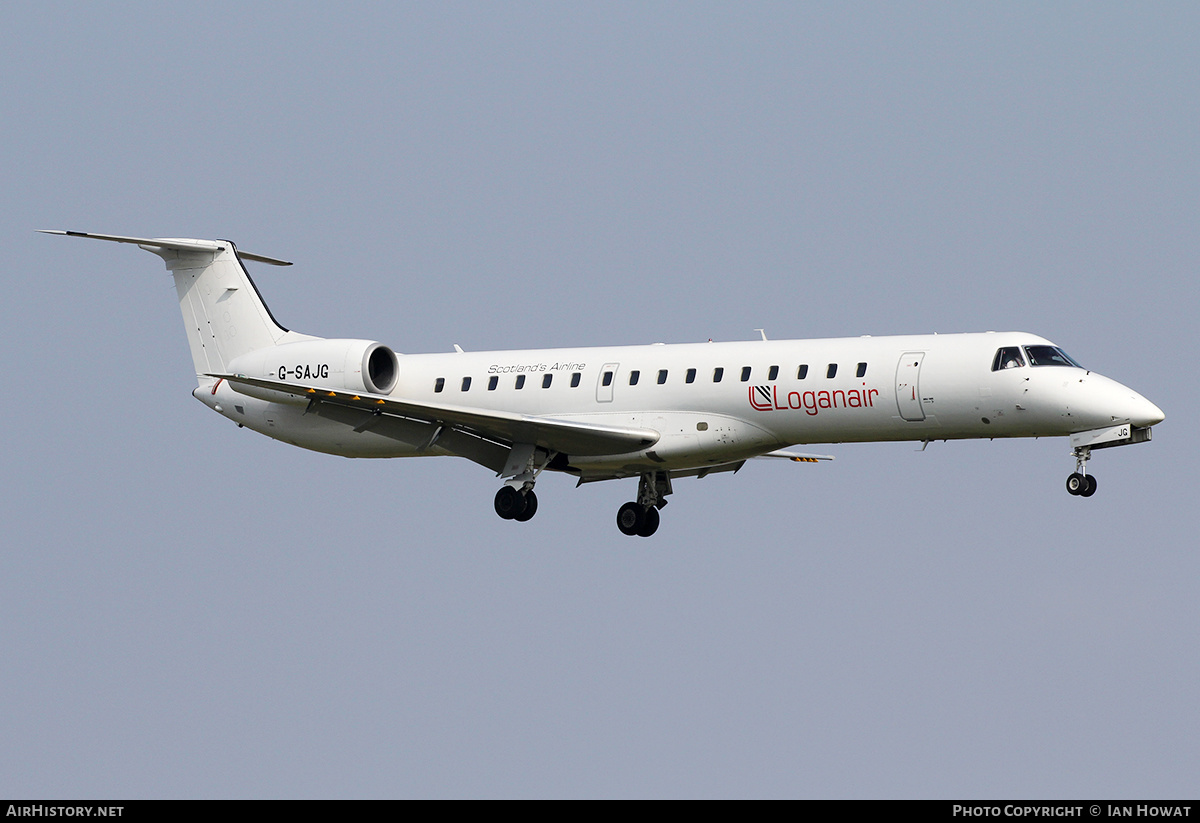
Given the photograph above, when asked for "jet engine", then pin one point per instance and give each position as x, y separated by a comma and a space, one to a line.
353, 365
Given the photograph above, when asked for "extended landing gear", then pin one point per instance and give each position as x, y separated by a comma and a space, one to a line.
1080, 483
512, 504
640, 518
634, 519
1083, 485
516, 500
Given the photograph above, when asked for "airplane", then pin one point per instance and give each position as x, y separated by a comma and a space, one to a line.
656, 412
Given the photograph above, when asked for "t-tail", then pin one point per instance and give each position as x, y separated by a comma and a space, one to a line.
223, 313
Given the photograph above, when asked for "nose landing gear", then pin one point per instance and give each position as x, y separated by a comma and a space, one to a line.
1083, 485
1080, 483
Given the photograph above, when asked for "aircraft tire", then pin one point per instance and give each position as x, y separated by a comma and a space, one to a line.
1076, 483
1090, 487
530, 509
649, 522
630, 518
508, 502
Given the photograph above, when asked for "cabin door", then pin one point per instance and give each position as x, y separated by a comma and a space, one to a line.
908, 387
604, 383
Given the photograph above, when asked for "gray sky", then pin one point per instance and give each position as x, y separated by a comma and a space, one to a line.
188, 609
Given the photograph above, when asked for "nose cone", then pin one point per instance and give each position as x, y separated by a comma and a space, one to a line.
1124, 405
1096, 401
1144, 413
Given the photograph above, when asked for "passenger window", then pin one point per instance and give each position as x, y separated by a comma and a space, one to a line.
831, 372
1008, 357
520, 384
493, 381
546, 380
466, 384
862, 370
608, 378
662, 376
745, 373
438, 385
802, 372
691, 376
718, 373
633, 377
773, 373
575, 380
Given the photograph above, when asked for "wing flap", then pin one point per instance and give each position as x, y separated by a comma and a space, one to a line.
555, 434
797, 457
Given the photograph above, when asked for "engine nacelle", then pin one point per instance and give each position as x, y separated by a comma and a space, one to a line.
352, 365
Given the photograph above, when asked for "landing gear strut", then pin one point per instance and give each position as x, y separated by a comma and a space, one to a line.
1081, 483
640, 517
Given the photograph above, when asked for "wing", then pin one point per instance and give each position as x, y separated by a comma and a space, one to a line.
553, 434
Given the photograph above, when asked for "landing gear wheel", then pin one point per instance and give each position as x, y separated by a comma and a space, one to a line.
649, 523
530, 507
1090, 489
1078, 483
630, 518
509, 503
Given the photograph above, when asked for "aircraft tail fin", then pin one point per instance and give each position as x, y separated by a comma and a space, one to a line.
223, 313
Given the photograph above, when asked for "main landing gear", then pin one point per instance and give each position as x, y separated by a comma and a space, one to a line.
1080, 483
516, 500
514, 504
640, 517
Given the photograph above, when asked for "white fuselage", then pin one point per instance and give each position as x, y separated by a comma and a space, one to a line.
656, 412
713, 403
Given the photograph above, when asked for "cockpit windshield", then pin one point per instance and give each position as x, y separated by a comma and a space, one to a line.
1009, 357
1049, 356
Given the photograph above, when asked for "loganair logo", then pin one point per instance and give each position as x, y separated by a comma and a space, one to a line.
768, 398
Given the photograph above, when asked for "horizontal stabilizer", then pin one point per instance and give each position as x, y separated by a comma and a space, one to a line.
573, 437
174, 243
